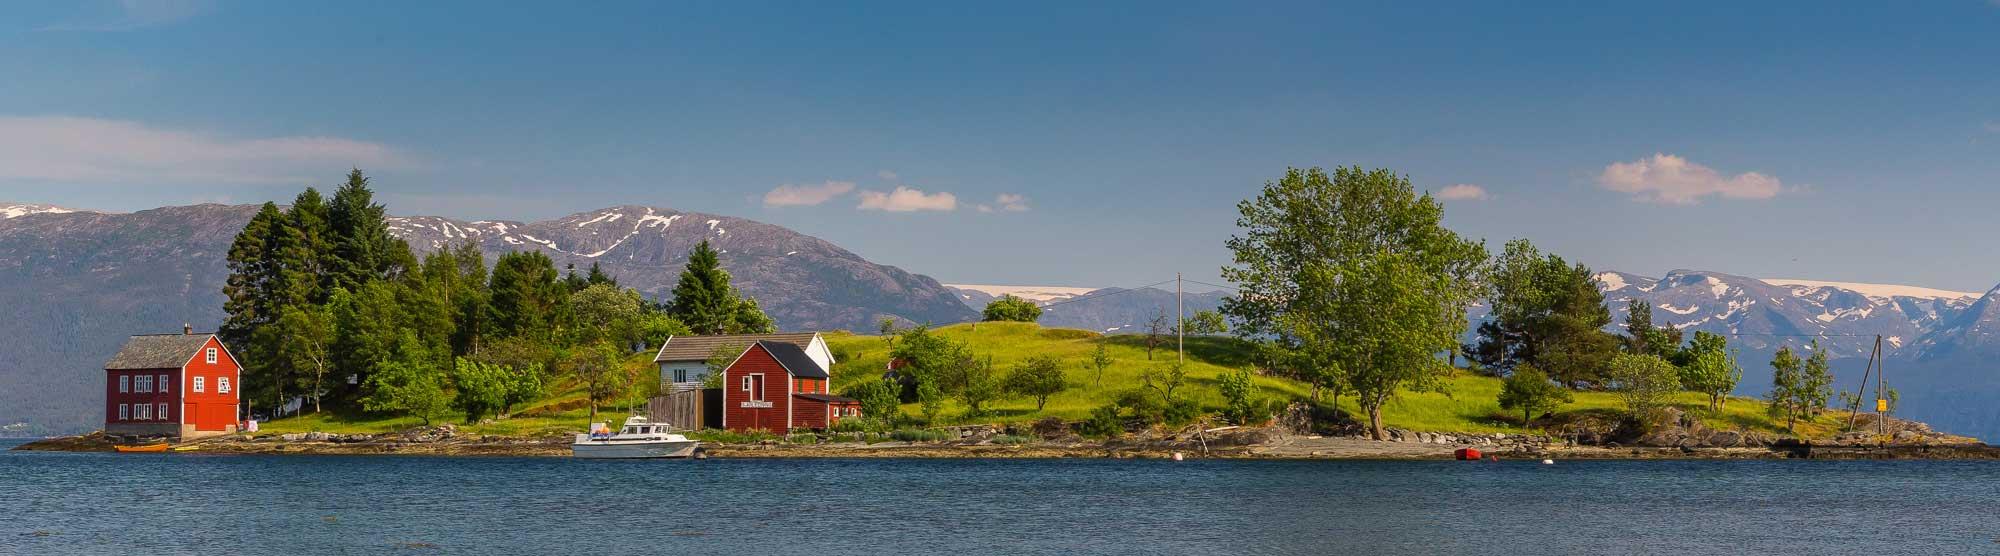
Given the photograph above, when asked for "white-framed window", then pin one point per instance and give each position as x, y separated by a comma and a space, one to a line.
125, 384
746, 384
198, 383
222, 385
680, 375
756, 387
142, 412
211, 356
162, 415
142, 384
124, 411
163, 383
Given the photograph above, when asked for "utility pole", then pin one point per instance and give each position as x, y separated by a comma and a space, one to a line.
1180, 330
1881, 402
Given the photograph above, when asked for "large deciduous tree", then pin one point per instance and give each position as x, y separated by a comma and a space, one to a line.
1008, 308
1353, 273
1708, 367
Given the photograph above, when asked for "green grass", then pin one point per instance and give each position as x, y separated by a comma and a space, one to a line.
1468, 404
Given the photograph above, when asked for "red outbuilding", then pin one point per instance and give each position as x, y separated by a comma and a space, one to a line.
173, 385
775, 386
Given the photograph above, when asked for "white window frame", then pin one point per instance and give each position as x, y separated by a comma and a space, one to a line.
162, 415
164, 381
211, 356
124, 384
142, 384
199, 383
124, 412
680, 375
221, 385
746, 383
142, 411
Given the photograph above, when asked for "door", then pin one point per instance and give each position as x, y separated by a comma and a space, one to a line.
756, 388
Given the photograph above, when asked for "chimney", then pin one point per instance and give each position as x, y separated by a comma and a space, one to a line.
187, 329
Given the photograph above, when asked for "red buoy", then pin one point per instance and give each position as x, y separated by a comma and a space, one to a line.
1467, 454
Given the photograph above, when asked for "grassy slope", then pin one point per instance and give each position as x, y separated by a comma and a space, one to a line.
1468, 406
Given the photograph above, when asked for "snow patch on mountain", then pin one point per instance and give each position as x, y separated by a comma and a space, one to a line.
1873, 290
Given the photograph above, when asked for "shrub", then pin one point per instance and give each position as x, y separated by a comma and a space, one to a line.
802, 438
1104, 422
733, 437
1180, 413
1013, 440
1244, 407
1050, 427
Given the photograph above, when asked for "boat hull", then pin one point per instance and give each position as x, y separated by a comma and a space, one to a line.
148, 449
633, 450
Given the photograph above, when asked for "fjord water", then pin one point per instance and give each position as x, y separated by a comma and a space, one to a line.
59, 503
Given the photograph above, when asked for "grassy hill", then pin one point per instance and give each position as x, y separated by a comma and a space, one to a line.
1468, 405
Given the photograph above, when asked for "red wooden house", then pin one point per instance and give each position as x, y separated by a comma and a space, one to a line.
174, 385
775, 386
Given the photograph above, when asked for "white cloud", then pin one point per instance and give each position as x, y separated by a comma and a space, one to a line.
1011, 202
66, 149
1462, 192
1669, 179
886, 175
806, 195
905, 199
1993, 127
140, 14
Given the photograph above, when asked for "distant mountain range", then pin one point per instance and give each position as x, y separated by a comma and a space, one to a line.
1940, 346
1107, 310
75, 283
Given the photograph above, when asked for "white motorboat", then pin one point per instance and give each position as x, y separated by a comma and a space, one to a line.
637, 439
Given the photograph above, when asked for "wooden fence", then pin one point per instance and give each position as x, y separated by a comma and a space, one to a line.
687, 409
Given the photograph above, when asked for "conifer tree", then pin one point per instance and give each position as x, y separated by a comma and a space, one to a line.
703, 299
363, 248
524, 293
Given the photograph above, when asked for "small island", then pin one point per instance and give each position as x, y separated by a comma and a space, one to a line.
1333, 347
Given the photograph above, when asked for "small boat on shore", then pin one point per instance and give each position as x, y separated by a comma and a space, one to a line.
144, 449
638, 439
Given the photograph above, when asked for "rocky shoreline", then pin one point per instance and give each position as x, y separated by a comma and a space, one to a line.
1270, 443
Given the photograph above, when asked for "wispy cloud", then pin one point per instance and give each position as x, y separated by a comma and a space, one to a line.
906, 199
1669, 179
789, 195
1462, 192
891, 176
140, 14
65, 149
1993, 127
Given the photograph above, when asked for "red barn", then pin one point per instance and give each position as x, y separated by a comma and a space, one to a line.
775, 386
174, 385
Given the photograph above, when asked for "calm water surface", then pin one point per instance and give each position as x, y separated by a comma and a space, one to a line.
185, 503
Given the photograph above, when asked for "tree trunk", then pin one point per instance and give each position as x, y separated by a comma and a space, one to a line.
1375, 421
1526, 417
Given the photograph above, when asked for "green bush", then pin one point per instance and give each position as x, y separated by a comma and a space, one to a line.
1013, 440
1104, 422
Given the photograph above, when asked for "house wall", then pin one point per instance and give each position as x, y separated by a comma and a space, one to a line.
211, 410
692, 370
809, 413
739, 413
154, 424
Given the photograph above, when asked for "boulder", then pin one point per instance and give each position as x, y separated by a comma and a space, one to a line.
1724, 439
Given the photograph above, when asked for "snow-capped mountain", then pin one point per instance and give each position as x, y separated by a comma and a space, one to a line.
1761, 314
17, 210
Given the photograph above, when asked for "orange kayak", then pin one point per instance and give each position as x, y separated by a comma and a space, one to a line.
146, 448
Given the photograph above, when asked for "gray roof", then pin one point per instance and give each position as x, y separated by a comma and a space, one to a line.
157, 351
794, 359
698, 348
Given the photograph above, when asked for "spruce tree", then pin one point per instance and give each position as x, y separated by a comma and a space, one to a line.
524, 293
703, 299
308, 254
363, 248
248, 290
598, 277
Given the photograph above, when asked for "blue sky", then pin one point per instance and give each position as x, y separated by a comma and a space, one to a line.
1831, 141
